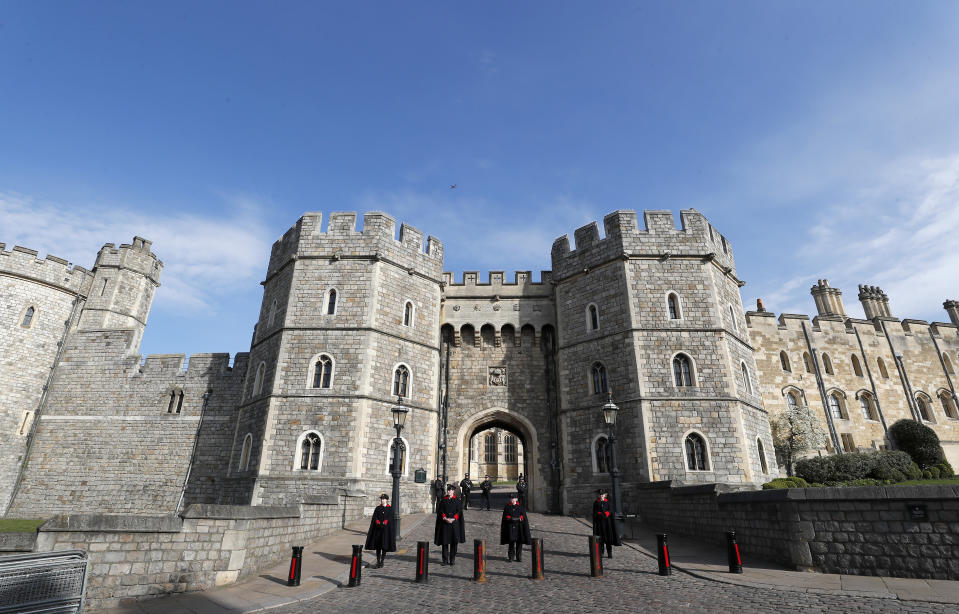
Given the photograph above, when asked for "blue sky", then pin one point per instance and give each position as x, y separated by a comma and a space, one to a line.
821, 138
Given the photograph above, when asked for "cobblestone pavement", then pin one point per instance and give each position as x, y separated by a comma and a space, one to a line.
631, 582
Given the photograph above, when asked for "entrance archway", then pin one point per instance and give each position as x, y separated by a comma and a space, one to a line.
515, 424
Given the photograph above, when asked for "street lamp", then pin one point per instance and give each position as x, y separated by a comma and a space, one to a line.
609, 415
399, 421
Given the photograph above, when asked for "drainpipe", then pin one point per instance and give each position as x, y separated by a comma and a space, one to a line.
903, 378
872, 383
196, 440
42, 404
822, 391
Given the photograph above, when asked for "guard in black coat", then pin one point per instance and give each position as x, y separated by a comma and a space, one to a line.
450, 525
486, 486
521, 489
603, 522
514, 528
466, 485
437, 492
382, 534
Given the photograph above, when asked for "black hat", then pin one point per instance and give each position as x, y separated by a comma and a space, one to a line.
385, 496
450, 487
514, 495
601, 491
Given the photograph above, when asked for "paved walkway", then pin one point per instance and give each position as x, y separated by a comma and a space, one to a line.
630, 584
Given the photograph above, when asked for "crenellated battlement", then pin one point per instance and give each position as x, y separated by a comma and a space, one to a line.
341, 239
54, 271
136, 256
624, 238
497, 285
196, 365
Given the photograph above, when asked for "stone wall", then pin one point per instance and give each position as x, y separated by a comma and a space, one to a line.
861, 531
143, 557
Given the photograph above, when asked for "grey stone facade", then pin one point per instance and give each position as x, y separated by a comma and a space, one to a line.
119, 433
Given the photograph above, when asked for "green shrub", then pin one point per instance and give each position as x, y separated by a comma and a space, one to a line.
865, 482
891, 465
945, 470
914, 472
934, 471
789, 482
926, 474
851, 466
815, 469
798, 482
919, 441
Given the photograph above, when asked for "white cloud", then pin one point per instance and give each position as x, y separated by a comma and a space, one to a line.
204, 255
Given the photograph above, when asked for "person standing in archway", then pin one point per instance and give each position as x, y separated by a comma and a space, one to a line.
437, 493
486, 486
466, 485
521, 489
382, 534
450, 528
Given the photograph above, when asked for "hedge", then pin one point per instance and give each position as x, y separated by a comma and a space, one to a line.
919, 441
886, 465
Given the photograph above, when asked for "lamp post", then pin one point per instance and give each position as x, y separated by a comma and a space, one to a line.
399, 420
609, 415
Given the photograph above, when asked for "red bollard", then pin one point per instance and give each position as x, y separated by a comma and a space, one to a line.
732, 553
422, 561
537, 559
595, 557
356, 566
296, 564
663, 555
479, 560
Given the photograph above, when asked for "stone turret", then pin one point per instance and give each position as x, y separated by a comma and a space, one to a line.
828, 300
952, 308
875, 302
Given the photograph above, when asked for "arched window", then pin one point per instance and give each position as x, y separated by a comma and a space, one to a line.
827, 364
856, 367
948, 405
672, 302
592, 317
404, 455
792, 400
401, 381
245, 453
925, 412
258, 378
490, 451
509, 449
322, 372
330, 301
835, 406
682, 370
882, 368
602, 459
747, 385
762, 456
784, 361
311, 451
807, 362
600, 384
868, 406
272, 318
948, 364
28, 317
696, 457
408, 314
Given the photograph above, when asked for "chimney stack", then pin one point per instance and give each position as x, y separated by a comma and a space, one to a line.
828, 300
875, 302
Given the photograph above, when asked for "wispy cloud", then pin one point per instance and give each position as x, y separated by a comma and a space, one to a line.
204, 255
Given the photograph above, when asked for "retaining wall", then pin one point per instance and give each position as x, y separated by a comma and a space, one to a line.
901, 531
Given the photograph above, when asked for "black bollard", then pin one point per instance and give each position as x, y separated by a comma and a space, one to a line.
732, 553
356, 566
422, 561
479, 560
537, 559
296, 563
663, 555
595, 557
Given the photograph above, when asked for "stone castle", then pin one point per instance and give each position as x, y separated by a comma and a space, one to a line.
352, 319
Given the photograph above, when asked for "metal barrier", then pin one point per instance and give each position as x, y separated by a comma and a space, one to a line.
42, 583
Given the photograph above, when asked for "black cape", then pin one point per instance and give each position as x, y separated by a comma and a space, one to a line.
515, 525
449, 532
382, 533
603, 522
466, 485
486, 486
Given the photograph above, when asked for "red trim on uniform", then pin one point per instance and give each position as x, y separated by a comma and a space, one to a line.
456, 516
